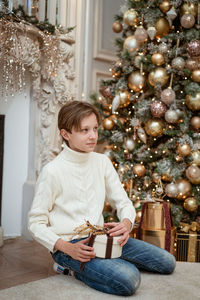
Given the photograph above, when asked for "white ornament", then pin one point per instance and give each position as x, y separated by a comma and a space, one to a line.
171, 116
115, 103
151, 32
129, 144
142, 135
171, 190
171, 14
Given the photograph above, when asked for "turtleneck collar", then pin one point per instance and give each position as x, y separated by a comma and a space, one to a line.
74, 156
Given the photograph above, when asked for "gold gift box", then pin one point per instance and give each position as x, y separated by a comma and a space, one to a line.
156, 237
154, 216
188, 246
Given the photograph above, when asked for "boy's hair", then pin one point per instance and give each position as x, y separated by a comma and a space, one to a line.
73, 112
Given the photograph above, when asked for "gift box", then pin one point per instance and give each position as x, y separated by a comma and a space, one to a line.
107, 247
155, 225
158, 238
154, 215
188, 246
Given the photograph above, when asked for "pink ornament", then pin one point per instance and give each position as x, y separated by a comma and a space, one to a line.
193, 48
168, 96
158, 109
187, 21
141, 35
192, 64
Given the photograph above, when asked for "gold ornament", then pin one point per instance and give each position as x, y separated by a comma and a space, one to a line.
108, 123
131, 44
136, 81
184, 189
184, 150
137, 61
158, 76
147, 181
117, 27
107, 207
106, 106
116, 74
124, 98
130, 17
154, 127
195, 122
114, 118
189, 8
156, 177
157, 59
138, 216
162, 27
137, 204
190, 204
105, 91
122, 120
139, 170
193, 102
195, 76
166, 177
165, 6
178, 158
195, 157
193, 174
107, 150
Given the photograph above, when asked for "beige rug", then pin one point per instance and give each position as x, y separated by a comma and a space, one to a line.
183, 284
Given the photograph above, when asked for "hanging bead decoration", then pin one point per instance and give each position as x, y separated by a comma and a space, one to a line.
25, 47
13, 75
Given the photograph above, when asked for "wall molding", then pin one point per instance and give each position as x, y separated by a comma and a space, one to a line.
100, 53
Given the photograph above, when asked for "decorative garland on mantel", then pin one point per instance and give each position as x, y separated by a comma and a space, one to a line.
47, 57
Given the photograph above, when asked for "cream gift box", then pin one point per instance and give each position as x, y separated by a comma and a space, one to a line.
106, 246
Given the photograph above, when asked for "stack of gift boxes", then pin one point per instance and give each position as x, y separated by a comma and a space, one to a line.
155, 227
188, 243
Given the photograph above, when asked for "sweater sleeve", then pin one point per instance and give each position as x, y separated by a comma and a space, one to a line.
38, 217
116, 195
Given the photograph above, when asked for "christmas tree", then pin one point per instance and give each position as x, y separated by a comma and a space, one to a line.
151, 106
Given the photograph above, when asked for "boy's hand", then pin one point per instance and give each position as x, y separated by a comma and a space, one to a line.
78, 251
121, 229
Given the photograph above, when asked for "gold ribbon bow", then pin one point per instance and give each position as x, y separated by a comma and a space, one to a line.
88, 229
185, 227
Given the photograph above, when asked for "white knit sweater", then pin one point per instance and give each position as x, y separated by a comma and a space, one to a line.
71, 189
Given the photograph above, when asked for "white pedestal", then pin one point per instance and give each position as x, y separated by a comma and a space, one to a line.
1, 236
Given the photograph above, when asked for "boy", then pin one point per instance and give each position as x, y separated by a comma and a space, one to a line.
73, 188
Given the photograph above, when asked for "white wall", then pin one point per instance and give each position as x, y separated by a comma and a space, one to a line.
16, 112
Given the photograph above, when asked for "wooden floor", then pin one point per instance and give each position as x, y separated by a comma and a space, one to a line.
22, 261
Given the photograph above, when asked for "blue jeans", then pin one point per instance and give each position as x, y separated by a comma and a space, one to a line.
120, 276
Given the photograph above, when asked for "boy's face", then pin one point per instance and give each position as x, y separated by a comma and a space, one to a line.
85, 139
